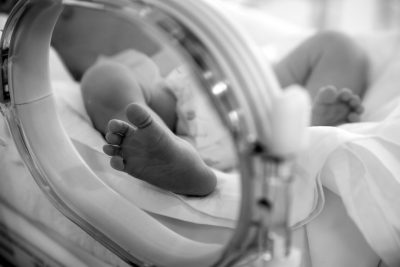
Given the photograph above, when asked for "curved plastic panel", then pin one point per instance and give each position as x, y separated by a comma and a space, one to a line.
30, 53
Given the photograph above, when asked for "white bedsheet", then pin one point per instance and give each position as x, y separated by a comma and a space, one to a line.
360, 162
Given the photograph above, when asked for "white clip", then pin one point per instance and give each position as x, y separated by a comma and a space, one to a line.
292, 115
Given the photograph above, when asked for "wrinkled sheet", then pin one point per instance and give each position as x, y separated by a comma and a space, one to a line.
360, 162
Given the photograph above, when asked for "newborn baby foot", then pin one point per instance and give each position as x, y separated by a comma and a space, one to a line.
149, 151
333, 107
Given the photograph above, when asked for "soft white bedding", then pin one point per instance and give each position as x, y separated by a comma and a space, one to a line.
360, 162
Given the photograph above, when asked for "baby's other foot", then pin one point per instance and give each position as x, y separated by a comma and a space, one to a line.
333, 107
149, 151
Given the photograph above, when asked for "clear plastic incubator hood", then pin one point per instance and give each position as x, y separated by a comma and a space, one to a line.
245, 99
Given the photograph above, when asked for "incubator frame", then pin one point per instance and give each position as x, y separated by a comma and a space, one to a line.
28, 106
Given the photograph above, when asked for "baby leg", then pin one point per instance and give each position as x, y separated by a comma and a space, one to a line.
327, 58
148, 151
107, 88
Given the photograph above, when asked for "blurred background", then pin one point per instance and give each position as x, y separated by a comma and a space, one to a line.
353, 16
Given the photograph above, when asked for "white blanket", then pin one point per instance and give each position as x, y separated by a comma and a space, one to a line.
360, 162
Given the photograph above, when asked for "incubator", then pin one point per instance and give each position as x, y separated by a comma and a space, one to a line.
286, 194
256, 121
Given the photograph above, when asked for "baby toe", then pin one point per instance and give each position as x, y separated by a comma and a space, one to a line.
117, 163
139, 116
353, 117
118, 127
113, 139
327, 95
112, 150
345, 94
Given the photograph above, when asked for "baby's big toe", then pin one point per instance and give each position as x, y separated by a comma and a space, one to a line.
327, 95
138, 116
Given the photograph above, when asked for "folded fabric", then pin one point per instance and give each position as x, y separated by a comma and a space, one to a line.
360, 163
